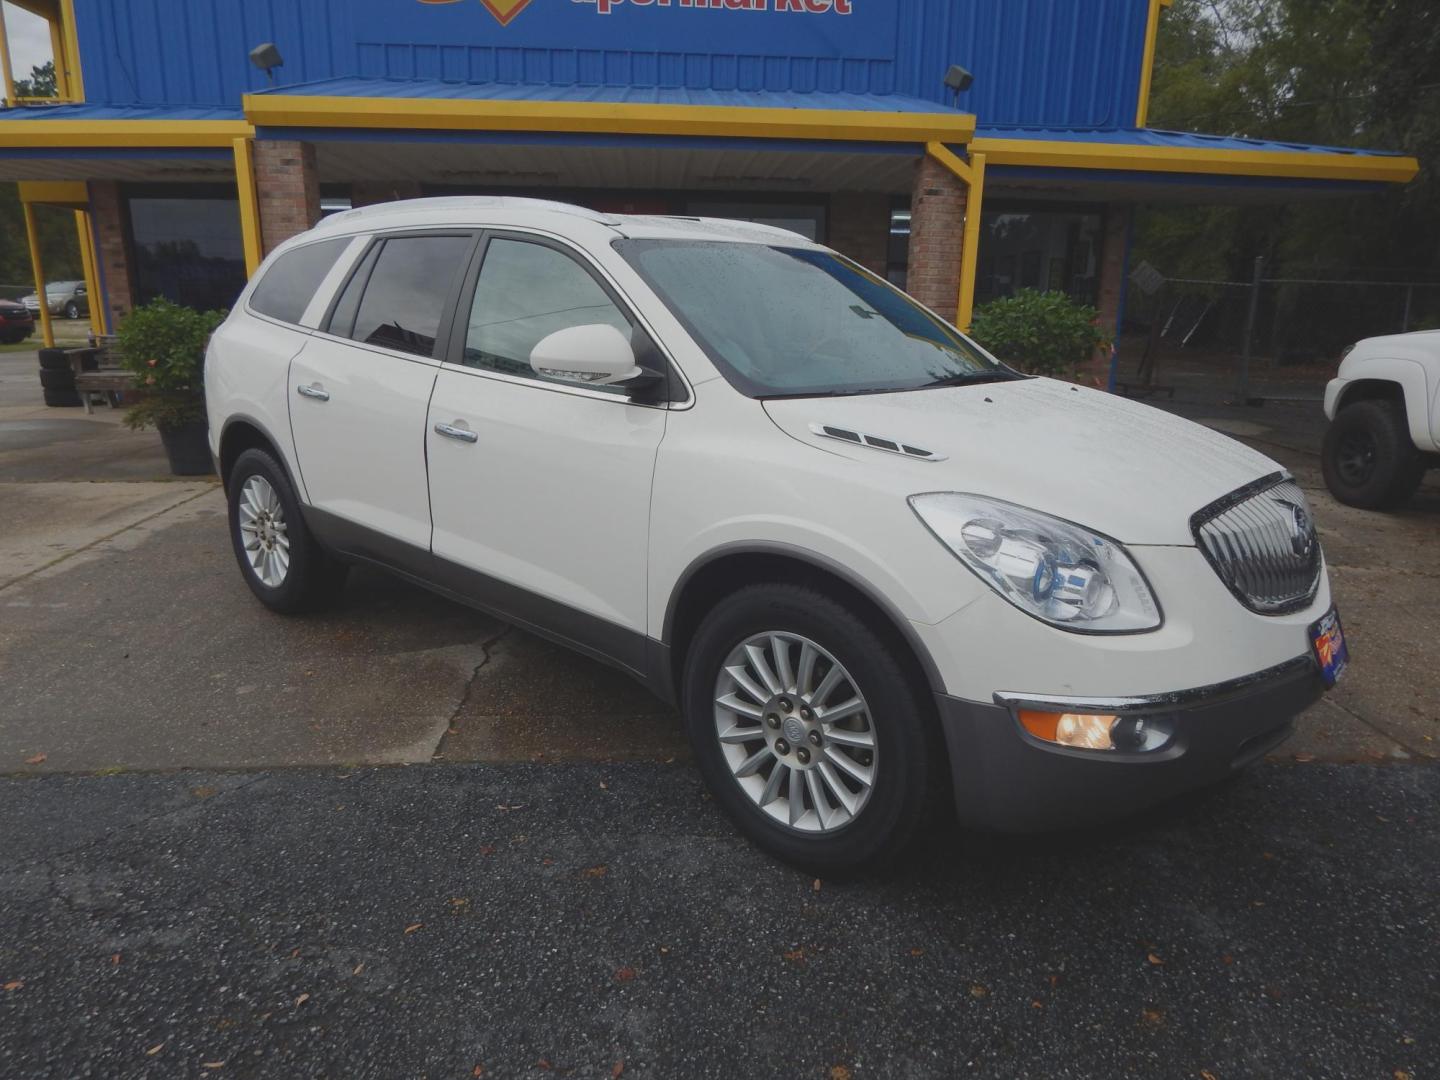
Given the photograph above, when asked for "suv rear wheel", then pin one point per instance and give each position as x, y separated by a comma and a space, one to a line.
808, 730
281, 562
1368, 458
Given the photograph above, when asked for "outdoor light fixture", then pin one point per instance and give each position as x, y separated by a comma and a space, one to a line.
267, 58
958, 79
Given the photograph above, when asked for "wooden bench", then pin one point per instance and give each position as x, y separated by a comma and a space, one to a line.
96, 373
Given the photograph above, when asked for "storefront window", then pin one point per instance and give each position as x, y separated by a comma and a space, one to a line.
187, 246
1049, 250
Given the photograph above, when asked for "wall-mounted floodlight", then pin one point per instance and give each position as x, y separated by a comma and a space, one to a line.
267, 58
958, 80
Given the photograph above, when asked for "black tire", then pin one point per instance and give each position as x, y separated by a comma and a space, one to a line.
908, 776
63, 399
57, 380
54, 360
314, 576
1368, 457
72, 310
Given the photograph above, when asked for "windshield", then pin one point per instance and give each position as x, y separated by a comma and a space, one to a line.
796, 322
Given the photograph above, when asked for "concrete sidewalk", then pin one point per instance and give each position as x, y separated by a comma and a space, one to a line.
129, 641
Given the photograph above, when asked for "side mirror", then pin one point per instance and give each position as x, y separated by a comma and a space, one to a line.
592, 355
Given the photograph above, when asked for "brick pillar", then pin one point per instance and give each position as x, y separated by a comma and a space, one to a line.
108, 220
860, 228
288, 184
937, 228
369, 192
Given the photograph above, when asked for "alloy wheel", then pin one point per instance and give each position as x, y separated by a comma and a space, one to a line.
796, 732
264, 532
1355, 458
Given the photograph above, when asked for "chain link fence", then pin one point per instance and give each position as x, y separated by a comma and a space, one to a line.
1276, 337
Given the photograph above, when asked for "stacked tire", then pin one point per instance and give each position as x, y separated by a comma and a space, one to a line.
57, 379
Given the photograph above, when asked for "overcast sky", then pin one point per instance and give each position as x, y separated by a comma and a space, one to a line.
29, 40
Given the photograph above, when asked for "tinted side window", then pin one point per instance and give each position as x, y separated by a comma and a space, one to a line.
406, 293
289, 285
526, 292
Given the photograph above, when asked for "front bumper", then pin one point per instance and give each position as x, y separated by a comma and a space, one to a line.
1009, 781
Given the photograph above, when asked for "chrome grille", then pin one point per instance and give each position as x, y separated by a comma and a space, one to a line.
1261, 541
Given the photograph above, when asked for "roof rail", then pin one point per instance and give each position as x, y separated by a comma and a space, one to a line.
460, 203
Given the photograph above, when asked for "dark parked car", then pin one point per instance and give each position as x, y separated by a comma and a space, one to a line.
16, 322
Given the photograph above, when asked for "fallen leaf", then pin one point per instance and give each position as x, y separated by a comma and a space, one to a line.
212, 1064
487, 849
202, 792
1267, 855
413, 927
547, 862
115, 959
978, 991
1154, 959
1152, 1017
595, 871
1054, 981
619, 1066
460, 903
301, 1000
816, 886
839, 1072
1227, 959
14, 984
1304, 758
1037, 1004
917, 952
664, 950
358, 968
605, 787
544, 1063
506, 807
796, 955
626, 974
479, 1070
38, 759
1206, 1074
1401, 1074
155, 1049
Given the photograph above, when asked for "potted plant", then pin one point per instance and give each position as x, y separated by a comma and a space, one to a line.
1042, 333
163, 346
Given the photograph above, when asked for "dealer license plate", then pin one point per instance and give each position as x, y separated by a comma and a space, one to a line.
1327, 638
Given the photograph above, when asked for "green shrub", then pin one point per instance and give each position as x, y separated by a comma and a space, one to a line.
163, 345
1043, 333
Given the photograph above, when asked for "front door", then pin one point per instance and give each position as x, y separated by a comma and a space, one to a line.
541, 489
359, 390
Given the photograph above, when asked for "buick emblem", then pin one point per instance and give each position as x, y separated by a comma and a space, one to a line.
1302, 531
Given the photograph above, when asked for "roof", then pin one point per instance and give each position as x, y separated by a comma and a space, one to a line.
130, 127
89, 112
1152, 150
437, 105
545, 213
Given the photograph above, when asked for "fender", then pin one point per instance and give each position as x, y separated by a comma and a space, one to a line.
245, 418
819, 562
1409, 375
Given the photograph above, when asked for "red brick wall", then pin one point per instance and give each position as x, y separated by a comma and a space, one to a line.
937, 227
108, 222
860, 228
369, 192
288, 184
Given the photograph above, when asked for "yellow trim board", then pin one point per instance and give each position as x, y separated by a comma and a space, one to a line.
1147, 61
73, 194
1288, 164
129, 134
250, 237
612, 118
950, 160
970, 248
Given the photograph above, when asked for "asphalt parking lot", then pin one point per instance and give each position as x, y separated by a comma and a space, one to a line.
220, 825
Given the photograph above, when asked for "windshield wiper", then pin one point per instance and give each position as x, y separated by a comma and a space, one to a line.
976, 378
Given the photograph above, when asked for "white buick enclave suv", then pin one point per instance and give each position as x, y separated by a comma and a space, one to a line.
875, 568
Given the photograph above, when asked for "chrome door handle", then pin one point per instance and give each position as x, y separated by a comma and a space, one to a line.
450, 431
313, 392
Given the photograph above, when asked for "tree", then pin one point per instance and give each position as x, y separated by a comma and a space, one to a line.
40, 84
59, 243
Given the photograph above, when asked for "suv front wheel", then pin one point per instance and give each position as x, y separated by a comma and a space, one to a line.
281, 562
1368, 458
808, 730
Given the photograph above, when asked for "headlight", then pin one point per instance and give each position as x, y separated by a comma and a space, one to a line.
1056, 571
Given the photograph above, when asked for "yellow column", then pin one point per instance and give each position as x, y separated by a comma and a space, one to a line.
249, 205
970, 251
86, 238
7, 91
47, 332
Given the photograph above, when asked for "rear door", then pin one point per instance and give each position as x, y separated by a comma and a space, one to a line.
541, 488
360, 387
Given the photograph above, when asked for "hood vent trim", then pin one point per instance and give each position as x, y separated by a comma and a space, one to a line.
882, 443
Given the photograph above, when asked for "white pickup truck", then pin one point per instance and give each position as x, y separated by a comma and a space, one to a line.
1384, 410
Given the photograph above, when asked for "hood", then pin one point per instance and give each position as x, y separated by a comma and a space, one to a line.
1422, 346
1124, 469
